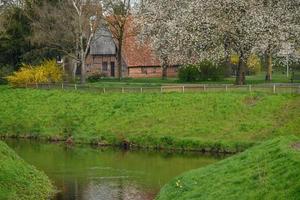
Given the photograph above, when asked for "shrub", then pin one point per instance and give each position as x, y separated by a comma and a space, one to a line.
47, 72
96, 77
5, 71
189, 73
254, 64
211, 71
203, 71
234, 59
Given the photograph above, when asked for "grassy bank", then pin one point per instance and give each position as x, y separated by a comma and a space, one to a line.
19, 180
268, 171
224, 122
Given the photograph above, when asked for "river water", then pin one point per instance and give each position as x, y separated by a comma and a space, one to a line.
86, 173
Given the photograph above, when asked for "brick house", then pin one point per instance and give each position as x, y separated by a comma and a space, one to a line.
138, 60
102, 56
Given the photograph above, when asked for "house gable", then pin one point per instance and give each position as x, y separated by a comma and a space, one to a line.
103, 43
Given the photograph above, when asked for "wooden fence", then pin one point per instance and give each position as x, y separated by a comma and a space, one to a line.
267, 88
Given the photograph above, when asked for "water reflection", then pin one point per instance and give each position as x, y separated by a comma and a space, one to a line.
84, 173
112, 190
104, 188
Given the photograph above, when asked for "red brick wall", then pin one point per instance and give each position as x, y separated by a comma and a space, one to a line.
94, 65
150, 72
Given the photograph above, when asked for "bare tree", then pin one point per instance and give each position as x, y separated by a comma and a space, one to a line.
5, 5
68, 26
117, 15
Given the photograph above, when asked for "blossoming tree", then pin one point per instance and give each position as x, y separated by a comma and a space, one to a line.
193, 30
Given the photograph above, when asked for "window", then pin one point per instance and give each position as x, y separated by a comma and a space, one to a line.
104, 66
144, 70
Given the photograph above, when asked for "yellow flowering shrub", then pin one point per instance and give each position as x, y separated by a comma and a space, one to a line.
234, 59
253, 62
48, 72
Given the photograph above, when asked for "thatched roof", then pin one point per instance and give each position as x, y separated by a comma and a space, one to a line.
103, 43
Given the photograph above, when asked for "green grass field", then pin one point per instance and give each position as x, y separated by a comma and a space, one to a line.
19, 180
267, 171
191, 121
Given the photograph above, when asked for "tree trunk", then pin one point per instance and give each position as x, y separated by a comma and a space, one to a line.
119, 60
74, 70
75, 62
269, 67
165, 69
83, 70
227, 62
82, 58
241, 71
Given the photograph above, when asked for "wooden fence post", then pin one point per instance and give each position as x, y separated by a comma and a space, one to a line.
141, 90
62, 86
161, 89
183, 89
226, 88
123, 90
204, 87
104, 91
75, 86
274, 88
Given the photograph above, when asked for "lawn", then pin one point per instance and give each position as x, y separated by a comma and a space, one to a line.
198, 121
267, 171
130, 82
19, 180
157, 82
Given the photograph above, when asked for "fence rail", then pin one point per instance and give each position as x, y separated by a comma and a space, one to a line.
269, 88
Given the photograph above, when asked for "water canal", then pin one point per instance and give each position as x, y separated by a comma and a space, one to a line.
86, 173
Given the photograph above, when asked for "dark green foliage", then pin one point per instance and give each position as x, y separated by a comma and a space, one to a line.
15, 45
13, 40
267, 171
18, 180
203, 71
211, 71
96, 77
5, 70
189, 73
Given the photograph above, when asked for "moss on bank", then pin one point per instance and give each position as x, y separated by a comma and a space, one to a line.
19, 180
267, 171
217, 122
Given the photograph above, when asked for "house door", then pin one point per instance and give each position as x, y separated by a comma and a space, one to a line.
112, 69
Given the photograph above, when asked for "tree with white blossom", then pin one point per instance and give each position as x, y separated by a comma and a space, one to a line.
156, 21
200, 29
281, 26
